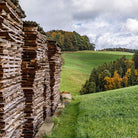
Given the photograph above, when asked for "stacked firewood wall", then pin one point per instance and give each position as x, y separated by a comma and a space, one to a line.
30, 69
47, 89
54, 57
11, 94
33, 74
36, 80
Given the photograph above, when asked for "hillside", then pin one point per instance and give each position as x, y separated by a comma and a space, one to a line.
78, 66
107, 114
119, 49
70, 41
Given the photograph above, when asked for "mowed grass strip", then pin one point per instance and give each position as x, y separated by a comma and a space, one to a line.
78, 66
110, 114
66, 124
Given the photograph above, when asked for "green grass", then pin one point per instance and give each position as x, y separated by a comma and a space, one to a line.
110, 114
78, 66
66, 127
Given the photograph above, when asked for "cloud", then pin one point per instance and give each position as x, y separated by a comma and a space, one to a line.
90, 9
108, 23
50, 14
132, 25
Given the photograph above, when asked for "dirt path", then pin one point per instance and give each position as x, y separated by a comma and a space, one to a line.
45, 128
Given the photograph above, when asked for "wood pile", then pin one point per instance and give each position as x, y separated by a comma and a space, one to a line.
35, 80
54, 57
11, 95
30, 69
33, 73
47, 89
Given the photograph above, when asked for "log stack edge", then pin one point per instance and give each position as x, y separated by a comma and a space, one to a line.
30, 67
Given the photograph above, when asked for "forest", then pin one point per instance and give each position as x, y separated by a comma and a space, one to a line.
117, 74
70, 41
119, 49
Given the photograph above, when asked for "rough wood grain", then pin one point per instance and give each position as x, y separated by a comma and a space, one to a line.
11, 95
30, 69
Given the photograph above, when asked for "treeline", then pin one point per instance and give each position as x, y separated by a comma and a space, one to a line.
117, 74
119, 49
70, 41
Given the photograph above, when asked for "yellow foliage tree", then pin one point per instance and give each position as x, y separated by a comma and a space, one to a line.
125, 81
113, 83
136, 75
128, 73
109, 83
117, 80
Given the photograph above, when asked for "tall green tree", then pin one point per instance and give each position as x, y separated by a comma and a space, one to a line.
135, 58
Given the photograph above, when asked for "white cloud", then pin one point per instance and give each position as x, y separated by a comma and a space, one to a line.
108, 23
108, 40
132, 25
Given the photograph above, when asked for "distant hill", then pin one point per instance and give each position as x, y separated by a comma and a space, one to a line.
78, 66
119, 49
70, 41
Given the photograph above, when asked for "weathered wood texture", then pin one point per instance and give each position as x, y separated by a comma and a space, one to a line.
11, 95
30, 69
41, 68
54, 57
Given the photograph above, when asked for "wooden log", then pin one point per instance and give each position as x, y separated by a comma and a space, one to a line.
11, 95
13, 14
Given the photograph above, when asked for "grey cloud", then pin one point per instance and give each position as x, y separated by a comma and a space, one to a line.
93, 8
85, 15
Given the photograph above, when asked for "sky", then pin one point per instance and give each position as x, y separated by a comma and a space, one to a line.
107, 23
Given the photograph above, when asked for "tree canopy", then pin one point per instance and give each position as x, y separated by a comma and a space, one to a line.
70, 41
118, 74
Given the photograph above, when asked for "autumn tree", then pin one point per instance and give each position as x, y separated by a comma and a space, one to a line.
128, 75
70, 41
124, 81
109, 83
118, 74
117, 80
136, 76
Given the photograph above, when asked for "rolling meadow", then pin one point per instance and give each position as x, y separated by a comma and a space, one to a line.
99, 115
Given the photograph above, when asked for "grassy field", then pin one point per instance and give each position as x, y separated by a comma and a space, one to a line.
78, 66
111, 114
